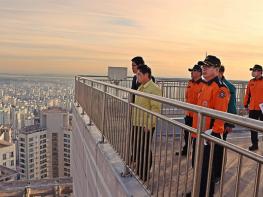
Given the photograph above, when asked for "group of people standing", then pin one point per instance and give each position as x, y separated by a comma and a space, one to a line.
207, 88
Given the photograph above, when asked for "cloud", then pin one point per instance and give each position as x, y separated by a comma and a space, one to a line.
125, 22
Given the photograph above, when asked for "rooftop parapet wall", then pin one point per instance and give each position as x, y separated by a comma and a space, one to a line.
96, 167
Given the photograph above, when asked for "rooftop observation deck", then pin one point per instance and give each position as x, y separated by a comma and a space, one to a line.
107, 106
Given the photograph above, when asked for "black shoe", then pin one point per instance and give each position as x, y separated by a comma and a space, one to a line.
184, 152
253, 147
217, 180
188, 194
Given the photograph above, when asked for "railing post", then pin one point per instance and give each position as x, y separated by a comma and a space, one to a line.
83, 111
198, 155
128, 135
103, 113
77, 90
90, 104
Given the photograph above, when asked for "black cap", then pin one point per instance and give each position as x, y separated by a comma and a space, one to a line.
211, 60
256, 67
201, 63
196, 68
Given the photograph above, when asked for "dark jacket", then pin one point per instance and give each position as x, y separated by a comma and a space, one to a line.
232, 107
136, 84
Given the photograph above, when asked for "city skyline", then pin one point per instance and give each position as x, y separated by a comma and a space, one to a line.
85, 37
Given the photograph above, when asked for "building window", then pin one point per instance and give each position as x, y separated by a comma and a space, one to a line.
4, 156
43, 141
67, 145
66, 135
31, 176
43, 151
12, 163
43, 136
12, 154
31, 139
66, 155
43, 146
22, 139
4, 164
66, 164
22, 150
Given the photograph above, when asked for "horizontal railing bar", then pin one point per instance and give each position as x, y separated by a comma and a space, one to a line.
161, 79
234, 148
165, 118
242, 121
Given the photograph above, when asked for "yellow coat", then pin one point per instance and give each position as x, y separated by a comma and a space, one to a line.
140, 117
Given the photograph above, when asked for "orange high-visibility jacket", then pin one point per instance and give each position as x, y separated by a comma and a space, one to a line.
214, 95
254, 94
191, 94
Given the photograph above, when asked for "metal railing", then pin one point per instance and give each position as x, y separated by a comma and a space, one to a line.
174, 88
148, 150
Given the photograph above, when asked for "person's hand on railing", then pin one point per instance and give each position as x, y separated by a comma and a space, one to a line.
208, 132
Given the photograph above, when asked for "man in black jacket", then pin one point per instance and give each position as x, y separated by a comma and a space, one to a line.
136, 61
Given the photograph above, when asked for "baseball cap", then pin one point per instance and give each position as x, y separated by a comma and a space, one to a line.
195, 68
211, 60
256, 67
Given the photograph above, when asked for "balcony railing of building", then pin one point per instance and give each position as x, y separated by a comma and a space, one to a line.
110, 109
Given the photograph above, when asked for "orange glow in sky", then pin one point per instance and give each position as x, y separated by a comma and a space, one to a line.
85, 37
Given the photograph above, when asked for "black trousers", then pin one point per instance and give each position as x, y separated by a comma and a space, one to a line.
141, 151
189, 122
255, 114
217, 163
219, 170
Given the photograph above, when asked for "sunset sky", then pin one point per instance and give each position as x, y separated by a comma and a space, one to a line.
85, 37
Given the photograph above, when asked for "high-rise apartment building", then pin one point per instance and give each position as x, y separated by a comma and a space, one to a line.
44, 150
33, 155
57, 122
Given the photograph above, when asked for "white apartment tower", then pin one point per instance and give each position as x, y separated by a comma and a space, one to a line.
33, 155
57, 122
44, 150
